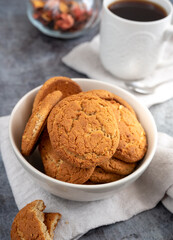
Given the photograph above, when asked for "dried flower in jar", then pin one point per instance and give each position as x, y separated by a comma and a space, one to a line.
61, 15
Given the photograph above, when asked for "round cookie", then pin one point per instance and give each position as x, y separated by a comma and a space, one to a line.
63, 84
37, 122
106, 95
83, 130
57, 168
30, 222
101, 176
114, 165
133, 142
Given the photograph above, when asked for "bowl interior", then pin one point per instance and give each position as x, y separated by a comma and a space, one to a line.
23, 108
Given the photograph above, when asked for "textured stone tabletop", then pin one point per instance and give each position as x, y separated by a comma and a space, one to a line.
27, 59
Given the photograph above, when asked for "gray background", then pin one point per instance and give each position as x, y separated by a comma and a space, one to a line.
27, 59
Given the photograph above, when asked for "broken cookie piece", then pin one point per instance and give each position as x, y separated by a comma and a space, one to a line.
51, 220
31, 223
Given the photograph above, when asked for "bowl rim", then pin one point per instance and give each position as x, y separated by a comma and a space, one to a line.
39, 174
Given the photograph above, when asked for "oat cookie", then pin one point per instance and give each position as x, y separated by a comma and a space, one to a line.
114, 165
101, 176
57, 168
37, 121
83, 130
63, 84
133, 142
29, 223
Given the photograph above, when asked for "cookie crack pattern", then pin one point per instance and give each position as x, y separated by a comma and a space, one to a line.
84, 128
90, 130
55, 167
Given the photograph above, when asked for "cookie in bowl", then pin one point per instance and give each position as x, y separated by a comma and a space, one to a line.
83, 130
133, 141
114, 165
37, 122
87, 191
58, 83
101, 176
59, 169
111, 97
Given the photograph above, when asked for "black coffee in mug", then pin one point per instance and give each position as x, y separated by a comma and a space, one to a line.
138, 10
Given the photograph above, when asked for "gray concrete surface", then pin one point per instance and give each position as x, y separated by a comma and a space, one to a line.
27, 59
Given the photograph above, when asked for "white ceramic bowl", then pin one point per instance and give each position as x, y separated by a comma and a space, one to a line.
33, 165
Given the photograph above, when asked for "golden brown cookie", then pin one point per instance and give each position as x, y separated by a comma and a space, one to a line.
37, 122
51, 220
106, 95
83, 130
114, 165
101, 176
57, 168
29, 223
133, 142
63, 84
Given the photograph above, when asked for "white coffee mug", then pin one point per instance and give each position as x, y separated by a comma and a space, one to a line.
129, 49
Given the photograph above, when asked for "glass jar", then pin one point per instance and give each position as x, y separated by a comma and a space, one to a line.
64, 18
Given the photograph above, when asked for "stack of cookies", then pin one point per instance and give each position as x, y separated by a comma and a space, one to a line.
83, 137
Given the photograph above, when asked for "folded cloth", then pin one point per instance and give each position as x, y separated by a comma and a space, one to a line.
79, 217
85, 59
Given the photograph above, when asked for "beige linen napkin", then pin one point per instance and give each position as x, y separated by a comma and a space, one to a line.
156, 184
85, 59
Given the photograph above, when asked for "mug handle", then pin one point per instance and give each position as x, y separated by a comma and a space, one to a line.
168, 34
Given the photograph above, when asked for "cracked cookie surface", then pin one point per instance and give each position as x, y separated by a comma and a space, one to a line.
101, 176
37, 121
29, 223
106, 95
114, 165
64, 84
133, 142
83, 130
57, 168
